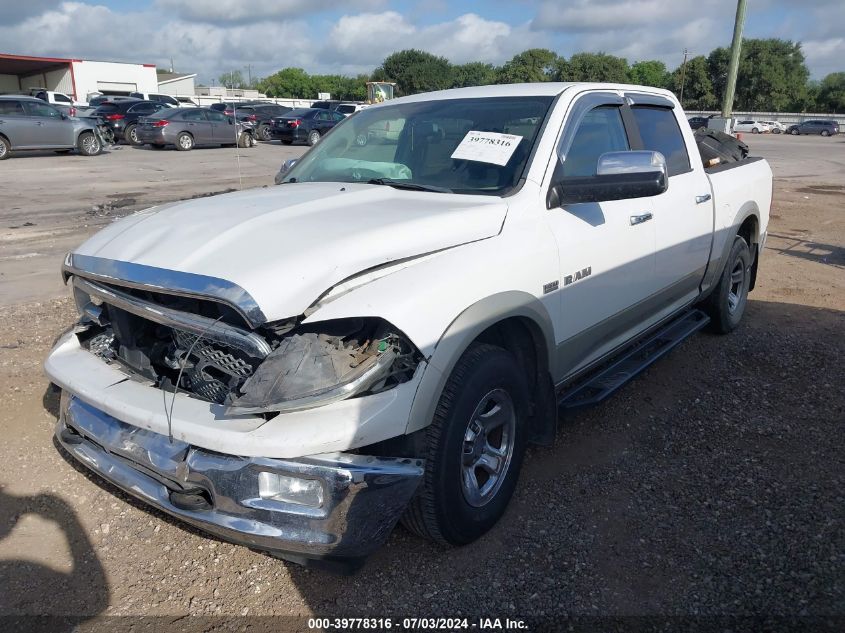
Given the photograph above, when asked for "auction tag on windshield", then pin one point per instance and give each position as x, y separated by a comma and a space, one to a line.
487, 147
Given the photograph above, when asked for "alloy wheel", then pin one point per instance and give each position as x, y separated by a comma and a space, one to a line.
488, 447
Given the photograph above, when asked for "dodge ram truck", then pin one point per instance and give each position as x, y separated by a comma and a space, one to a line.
377, 339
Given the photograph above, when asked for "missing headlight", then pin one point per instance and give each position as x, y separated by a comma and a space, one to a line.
316, 364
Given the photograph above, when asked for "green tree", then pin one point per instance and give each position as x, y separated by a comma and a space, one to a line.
593, 67
473, 74
650, 73
293, 83
535, 64
831, 93
699, 93
232, 79
416, 71
772, 75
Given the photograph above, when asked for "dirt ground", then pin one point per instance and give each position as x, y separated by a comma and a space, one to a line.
714, 484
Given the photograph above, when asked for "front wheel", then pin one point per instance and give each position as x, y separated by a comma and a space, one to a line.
5, 149
825, 133
474, 448
313, 137
755, 130
726, 304
776, 131
795, 132
88, 144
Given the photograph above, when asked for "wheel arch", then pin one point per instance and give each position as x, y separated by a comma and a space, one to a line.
514, 320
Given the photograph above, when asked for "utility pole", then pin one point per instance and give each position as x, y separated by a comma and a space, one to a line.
683, 76
733, 67
249, 74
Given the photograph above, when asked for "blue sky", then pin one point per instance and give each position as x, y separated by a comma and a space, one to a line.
212, 36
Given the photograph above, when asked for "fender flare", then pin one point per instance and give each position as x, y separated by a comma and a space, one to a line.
461, 332
717, 265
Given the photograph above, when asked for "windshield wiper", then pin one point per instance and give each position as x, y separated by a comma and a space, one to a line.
404, 184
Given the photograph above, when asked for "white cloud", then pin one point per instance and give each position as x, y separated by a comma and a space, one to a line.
825, 56
360, 42
230, 11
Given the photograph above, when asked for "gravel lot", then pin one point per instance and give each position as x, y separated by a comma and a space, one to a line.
714, 484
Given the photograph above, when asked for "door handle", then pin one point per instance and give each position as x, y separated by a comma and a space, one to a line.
703, 199
639, 219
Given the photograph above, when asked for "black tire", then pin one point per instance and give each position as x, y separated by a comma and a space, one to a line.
825, 133
441, 510
184, 142
726, 304
88, 144
264, 132
245, 139
313, 137
5, 148
795, 132
130, 135
776, 130
755, 130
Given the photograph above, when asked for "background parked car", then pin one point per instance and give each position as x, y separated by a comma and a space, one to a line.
698, 122
122, 116
28, 123
750, 125
776, 127
327, 104
304, 125
158, 98
261, 114
56, 98
230, 107
186, 128
824, 127
350, 108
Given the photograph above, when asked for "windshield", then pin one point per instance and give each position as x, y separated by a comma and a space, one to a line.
471, 146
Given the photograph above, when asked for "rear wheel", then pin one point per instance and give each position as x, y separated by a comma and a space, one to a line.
825, 133
726, 304
313, 137
776, 130
131, 135
795, 132
5, 148
88, 144
184, 142
264, 133
754, 130
475, 445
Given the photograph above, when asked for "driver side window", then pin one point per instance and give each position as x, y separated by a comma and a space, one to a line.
600, 131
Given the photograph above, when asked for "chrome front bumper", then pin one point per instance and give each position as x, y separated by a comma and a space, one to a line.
363, 497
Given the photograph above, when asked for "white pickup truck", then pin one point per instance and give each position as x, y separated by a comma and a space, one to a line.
297, 368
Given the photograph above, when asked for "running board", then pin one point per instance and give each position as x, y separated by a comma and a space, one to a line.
598, 386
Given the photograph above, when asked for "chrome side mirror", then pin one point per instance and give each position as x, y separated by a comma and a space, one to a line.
633, 162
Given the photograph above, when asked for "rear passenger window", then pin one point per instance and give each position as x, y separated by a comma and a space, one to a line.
11, 108
660, 133
601, 131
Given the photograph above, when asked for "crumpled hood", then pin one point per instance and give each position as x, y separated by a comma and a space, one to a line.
287, 245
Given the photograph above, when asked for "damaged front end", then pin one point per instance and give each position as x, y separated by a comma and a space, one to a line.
202, 348
326, 505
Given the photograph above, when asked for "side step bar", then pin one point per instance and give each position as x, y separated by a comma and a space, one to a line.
599, 385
